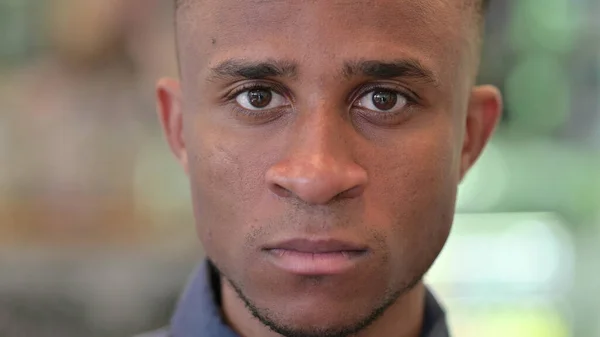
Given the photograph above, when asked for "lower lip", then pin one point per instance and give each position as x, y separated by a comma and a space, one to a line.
303, 263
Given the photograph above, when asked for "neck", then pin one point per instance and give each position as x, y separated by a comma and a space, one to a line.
404, 318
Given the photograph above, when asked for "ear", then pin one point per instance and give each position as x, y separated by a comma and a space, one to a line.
484, 111
169, 101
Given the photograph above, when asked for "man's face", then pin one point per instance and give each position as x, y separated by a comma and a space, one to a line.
324, 142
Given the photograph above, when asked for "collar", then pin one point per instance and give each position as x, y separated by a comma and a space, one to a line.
198, 312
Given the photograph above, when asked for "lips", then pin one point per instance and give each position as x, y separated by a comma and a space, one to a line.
317, 246
315, 257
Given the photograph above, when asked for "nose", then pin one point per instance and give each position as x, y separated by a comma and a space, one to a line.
318, 167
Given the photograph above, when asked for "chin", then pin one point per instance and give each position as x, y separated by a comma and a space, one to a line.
322, 315
328, 319
320, 312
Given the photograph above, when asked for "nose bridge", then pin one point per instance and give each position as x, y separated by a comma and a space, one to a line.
321, 135
318, 165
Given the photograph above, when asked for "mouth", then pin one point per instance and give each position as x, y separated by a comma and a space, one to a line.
315, 257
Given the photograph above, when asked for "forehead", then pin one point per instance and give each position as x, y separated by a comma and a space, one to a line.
437, 33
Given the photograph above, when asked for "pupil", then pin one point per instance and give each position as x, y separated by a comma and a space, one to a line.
384, 100
259, 98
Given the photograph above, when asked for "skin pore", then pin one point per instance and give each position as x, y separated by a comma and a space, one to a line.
345, 120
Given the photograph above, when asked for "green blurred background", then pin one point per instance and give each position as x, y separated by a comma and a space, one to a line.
96, 230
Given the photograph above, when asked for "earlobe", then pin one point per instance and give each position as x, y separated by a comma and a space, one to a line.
170, 114
484, 111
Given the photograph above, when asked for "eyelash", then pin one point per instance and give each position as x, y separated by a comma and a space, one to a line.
411, 97
255, 115
412, 100
231, 96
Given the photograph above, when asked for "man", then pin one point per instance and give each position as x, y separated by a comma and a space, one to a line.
324, 142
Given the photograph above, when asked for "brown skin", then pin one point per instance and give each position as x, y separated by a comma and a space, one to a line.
321, 163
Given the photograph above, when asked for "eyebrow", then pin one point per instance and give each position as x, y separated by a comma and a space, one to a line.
235, 68
407, 68
240, 68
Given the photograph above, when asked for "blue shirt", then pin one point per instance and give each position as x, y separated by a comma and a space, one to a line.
198, 313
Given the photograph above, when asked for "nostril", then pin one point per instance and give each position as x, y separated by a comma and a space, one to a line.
353, 192
280, 190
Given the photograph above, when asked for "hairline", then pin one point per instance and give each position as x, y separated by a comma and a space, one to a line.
480, 9
483, 5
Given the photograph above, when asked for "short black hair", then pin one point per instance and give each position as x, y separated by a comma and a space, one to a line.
484, 4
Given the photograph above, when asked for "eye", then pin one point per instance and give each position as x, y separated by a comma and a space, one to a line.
382, 100
260, 99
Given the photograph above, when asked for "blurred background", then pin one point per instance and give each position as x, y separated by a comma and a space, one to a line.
96, 230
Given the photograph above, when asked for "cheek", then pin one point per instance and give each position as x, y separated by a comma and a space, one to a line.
419, 170
414, 195
225, 180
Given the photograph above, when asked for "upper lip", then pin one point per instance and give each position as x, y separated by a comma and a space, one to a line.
317, 246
